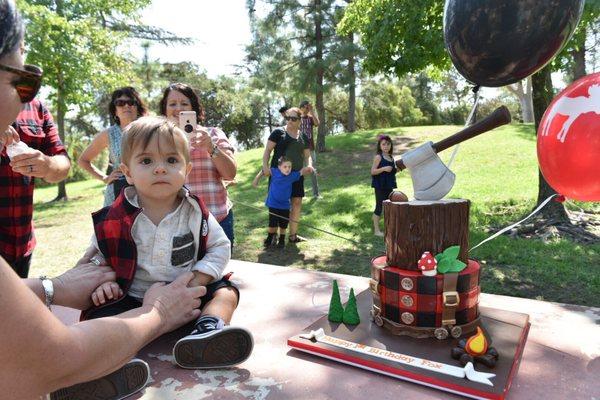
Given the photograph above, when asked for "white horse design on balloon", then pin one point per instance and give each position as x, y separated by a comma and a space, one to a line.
572, 107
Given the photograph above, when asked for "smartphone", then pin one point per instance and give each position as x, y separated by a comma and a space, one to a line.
187, 122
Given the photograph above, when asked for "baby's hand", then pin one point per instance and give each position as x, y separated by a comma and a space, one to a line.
108, 290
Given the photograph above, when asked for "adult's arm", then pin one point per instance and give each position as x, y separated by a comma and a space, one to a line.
223, 159
39, 354
74, 287
34, 163
266, 155
98, 144
307, 157
315, 118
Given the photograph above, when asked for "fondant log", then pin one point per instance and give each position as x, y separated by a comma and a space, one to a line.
414, 227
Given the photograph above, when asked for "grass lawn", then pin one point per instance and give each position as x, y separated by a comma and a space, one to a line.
496, 171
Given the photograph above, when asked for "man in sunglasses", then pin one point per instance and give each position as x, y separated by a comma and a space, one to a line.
45, 158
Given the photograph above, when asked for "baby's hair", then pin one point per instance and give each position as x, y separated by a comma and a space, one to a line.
381, 138
142, 130
282, 159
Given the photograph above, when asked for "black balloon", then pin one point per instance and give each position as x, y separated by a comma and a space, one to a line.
499, 42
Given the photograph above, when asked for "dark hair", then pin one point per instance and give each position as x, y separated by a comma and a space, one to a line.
381, 138
188, 92
282, 159
132, 94
304, 103
11, 28
283, 109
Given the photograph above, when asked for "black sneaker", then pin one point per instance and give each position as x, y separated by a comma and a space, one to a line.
127, 380
211, 346
281, 242
269, 241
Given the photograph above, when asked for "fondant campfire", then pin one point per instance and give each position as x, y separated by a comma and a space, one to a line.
475, 348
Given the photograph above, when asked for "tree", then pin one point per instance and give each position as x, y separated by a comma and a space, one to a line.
295, 50
393, 35
351, 316
387, 104
542, 97
523, 92
74, 42
336, 311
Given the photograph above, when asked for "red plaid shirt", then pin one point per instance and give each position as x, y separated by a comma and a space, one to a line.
36, 128
205, 181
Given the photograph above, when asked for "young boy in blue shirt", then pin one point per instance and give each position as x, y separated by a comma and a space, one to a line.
278, 199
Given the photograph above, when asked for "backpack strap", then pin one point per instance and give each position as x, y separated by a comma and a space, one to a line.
203, 234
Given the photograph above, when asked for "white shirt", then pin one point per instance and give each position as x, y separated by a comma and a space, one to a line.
169, 249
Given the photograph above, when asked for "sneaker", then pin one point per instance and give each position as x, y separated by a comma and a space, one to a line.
269, 241
127, 380
281, 242
213, 347
297, 239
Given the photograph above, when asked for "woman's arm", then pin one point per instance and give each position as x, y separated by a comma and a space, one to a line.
99, 143
266, 154
39, 354
74, 287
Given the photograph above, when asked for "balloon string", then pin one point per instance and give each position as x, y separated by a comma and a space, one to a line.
470, 121
501, 231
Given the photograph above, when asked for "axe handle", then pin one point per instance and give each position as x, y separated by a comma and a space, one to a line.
499, 117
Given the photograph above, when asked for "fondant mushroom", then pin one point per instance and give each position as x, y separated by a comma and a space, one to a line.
427, 264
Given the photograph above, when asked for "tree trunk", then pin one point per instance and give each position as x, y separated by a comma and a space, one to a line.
579, 60
60, 119
525, 99
542, 96
269, 118
320, 73
352, 86
527, 103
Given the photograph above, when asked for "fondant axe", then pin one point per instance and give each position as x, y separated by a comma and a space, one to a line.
432, 179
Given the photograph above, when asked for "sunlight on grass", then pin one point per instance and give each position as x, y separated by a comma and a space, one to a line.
496, 171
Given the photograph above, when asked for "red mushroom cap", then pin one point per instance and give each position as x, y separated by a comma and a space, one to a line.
427, 262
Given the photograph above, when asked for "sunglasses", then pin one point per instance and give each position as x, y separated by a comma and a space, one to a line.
29, 82
122, 103
292, 118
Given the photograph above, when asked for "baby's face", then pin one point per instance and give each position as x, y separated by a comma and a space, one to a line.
286, 167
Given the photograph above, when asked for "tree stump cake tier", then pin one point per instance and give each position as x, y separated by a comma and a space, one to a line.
414, 227
408, 300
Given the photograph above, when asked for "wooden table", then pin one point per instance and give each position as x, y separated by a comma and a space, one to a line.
561, 358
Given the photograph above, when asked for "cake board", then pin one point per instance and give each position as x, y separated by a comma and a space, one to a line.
508, 331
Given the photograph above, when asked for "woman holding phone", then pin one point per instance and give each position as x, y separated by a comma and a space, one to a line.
213, 163
125, 107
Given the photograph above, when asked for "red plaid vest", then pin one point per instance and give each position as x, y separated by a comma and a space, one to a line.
112, 225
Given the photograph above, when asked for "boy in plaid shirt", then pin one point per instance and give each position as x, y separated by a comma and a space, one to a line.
156, 230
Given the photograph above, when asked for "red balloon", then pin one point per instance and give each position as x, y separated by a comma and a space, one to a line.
568, 140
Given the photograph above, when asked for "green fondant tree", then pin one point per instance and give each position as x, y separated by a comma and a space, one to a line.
351, 312
336, 311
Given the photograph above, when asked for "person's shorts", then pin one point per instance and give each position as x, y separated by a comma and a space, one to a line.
129, 303
298, 188
278, 218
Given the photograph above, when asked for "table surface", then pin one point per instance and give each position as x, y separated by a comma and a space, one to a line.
561, 358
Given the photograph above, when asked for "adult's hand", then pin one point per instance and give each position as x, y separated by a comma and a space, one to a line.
113, 176
202, 140
74, 288
176, 303
32, 162
266, 171
9, 136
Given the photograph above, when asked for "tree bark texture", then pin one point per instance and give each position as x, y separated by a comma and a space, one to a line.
542, 97
320, 73
414, 227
